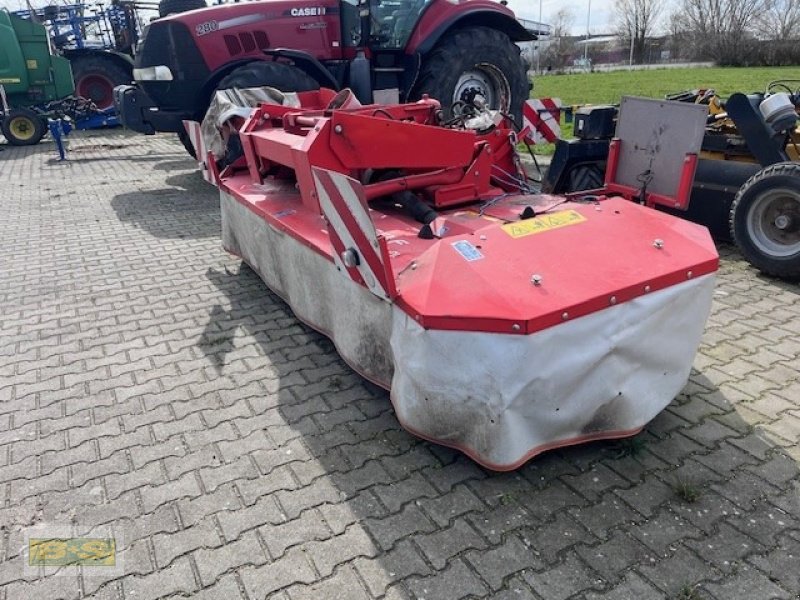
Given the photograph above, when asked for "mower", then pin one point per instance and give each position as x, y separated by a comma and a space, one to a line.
504, 322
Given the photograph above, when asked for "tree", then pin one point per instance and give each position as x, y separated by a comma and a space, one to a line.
780, 20
721, 30
636, 21
557, 51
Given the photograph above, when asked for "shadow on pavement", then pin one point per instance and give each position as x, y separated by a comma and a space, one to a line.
189, 208
703, 501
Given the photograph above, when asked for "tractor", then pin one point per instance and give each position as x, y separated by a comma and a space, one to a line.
386, 51
30, 76
747, 183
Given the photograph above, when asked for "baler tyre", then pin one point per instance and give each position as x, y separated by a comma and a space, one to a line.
172, 7
23, 127
765, 220
283, 77
96, 77
471, 61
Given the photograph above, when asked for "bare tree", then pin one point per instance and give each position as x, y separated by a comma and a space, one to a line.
636, 21
780, 20
721, 30
558, 49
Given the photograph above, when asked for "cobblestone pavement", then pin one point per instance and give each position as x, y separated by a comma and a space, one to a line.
150, 382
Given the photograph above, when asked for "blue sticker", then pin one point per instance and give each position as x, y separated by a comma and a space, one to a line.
467, 250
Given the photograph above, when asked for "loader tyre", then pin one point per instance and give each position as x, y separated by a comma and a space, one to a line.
765, 220
96, 77
587, 176
172, 7
23, 127
472, 61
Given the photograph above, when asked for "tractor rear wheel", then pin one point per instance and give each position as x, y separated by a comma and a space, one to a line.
23, 127
476, 61
96, 76
172, 7
285, 78
765, 220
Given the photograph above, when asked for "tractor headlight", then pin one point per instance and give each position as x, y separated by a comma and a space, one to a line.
157, 73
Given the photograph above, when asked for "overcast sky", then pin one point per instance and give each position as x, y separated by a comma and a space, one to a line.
600, 14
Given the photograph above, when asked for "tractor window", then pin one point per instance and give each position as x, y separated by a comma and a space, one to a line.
351, 24
393, 21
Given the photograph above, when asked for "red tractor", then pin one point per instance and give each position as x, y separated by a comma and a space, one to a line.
384, 50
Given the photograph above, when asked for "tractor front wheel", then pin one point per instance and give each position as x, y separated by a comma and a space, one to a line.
765, 220
282, 77
23, 127
476, 61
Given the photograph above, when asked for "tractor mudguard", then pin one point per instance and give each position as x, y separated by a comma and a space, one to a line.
761, 140
433, 24
309, 64
570, 154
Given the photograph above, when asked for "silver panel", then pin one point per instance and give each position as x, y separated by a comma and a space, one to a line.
656, 136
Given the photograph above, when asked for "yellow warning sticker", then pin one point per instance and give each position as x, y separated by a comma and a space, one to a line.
32, 64
545, 222
9, 80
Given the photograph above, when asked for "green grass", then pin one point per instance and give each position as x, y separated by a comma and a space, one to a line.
608, 88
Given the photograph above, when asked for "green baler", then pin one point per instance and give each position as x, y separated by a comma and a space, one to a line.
30, 76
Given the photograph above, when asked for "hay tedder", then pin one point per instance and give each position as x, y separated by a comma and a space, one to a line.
504, 322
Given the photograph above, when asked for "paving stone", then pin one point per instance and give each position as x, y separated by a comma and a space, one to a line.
213, 562
400, 562
747, 584
549, 539
780, 564
496, 564
388, 530
291, 569
562, 581
457, 581
307, 527
442, 545
175, 578
681, 569
661, 533
611, 558
632, 587
326, 555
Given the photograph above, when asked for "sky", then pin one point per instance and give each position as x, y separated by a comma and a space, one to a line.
600, 16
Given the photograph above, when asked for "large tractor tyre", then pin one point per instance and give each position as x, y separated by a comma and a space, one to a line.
23, 127
765, 220
285, 78
476, 61
183, 136
172, 7
97, 76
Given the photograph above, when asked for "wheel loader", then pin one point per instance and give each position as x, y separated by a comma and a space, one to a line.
747, 183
